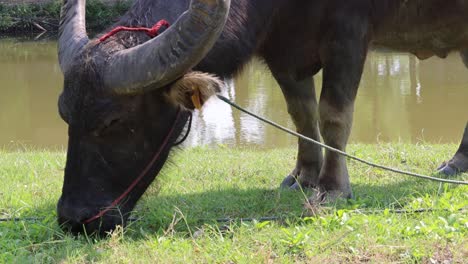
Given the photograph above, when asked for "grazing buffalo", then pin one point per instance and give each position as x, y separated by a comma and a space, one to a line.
127, 99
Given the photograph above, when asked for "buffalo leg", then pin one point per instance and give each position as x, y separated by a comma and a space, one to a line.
343, 57
459, 162
302, 107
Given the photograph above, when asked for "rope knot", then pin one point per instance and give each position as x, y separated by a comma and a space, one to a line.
156, 29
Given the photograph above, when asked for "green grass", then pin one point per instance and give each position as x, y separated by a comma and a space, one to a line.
178, 213
23, 17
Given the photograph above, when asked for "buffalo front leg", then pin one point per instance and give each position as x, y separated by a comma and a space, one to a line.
343, 57
459, 162
302, 107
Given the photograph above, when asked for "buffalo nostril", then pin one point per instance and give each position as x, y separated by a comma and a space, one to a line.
70, 226
71, 216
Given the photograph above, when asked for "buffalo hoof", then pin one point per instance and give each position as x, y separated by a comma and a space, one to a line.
446, 169
293, 183
290, 182
457, 165
327, 197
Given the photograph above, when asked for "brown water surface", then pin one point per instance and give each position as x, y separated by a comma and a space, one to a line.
400, 99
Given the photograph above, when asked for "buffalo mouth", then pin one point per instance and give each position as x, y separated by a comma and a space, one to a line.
102, 226
91, 221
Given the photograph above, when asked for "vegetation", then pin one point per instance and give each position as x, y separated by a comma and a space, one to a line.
178, 215
32, 17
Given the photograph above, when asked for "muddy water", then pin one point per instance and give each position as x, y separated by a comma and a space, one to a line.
400, 99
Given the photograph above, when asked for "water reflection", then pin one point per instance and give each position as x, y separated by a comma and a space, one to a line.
400, 99
30, 80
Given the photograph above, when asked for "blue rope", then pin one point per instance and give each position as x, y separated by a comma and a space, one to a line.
289, 131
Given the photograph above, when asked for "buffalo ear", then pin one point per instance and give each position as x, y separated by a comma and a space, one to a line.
194, 89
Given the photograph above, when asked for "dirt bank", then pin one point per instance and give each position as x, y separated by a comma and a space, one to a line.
29, 16
15, 2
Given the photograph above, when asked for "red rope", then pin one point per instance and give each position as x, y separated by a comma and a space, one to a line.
152, 32
140, 177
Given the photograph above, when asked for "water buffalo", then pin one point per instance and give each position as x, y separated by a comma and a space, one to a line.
128, 98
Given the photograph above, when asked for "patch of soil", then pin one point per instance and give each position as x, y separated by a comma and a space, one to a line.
15, 2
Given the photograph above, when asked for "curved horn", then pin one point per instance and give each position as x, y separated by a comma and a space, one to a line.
165, 58
72, 31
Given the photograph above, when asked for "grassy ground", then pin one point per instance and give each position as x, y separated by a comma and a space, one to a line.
32, 16
178, 214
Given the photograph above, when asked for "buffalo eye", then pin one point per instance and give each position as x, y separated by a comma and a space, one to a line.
107, 126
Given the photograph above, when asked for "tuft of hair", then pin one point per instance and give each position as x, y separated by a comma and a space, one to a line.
205, 84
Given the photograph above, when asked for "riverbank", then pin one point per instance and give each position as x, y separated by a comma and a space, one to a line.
35, 16
178, 214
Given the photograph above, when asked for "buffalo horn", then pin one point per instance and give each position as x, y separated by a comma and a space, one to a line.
167, 57
72, 32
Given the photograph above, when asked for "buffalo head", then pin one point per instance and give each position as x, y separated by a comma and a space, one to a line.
124, 100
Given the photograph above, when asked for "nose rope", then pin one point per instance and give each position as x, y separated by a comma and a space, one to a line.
151, 32
142, 174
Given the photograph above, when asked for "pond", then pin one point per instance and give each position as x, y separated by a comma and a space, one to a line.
400, 99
